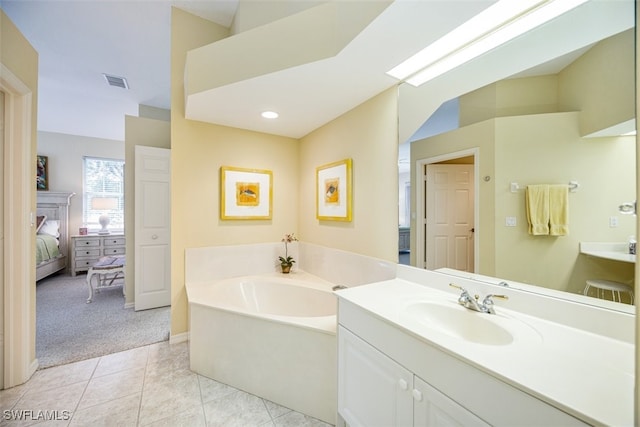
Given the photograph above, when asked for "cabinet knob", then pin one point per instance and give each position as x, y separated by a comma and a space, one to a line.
403, 384
154, 237
417, 395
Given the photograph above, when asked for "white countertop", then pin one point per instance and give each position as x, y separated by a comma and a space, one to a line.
614, 251
587, 375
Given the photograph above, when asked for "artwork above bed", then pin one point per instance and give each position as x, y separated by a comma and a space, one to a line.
52, 232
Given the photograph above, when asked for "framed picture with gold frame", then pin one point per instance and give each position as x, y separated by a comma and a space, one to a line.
334, 191
245, 193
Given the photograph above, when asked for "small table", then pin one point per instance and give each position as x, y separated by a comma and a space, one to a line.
106, 266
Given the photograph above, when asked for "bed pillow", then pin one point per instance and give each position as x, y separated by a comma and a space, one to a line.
51, 227
40, 219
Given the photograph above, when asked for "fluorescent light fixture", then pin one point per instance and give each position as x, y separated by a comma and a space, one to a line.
499, 23
270, 114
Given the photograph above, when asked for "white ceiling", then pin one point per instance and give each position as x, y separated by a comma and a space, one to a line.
79, 40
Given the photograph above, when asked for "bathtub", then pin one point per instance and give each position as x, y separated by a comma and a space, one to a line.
271, 335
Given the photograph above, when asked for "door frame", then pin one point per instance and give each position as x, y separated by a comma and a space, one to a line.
18, 193
419, 198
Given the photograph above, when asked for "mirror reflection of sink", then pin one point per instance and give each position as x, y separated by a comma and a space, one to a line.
459, 322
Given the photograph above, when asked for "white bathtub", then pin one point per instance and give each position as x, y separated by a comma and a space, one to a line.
271, 335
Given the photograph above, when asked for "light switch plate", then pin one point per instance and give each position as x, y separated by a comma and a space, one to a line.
511, 221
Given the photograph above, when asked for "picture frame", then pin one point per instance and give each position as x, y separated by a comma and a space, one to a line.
42, 173
334, 191
245, 194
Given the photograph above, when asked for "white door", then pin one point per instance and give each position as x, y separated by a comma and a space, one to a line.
152, 227
449, 217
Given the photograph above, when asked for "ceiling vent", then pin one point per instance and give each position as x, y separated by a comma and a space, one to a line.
116, 81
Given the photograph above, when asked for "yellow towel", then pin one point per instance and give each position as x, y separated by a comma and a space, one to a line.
558, 210
537, 206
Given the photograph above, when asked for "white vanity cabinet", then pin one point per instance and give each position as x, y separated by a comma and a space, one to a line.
377, 391
388, 376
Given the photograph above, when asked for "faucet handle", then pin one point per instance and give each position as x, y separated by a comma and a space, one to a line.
453, 285
487, 303
491, 296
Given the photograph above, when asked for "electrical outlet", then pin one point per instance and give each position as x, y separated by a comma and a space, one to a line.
613, 221
511, 221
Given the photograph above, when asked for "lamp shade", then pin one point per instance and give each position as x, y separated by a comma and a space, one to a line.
104, 203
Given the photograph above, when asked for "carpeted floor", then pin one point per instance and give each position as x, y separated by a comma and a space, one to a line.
68, 329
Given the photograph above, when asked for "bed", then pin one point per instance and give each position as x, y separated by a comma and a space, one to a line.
52, 232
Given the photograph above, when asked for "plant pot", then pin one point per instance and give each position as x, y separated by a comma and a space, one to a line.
286, 268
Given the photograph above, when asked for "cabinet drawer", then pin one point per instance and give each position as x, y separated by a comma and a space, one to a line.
85, 263
113, 251
87, 252
83, 243
114, 241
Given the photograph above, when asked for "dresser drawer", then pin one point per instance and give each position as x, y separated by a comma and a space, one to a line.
114, 241
87, 252
83, 243
85, 263
113, 251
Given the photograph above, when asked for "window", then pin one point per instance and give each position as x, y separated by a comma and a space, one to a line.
103, 179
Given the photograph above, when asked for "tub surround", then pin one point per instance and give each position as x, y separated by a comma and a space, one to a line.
202, 265
560, 369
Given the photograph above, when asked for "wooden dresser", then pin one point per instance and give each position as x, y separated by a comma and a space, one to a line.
86, 250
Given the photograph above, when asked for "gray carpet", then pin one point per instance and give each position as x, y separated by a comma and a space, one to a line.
68, 329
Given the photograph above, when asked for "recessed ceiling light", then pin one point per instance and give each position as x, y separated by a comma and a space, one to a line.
270, 114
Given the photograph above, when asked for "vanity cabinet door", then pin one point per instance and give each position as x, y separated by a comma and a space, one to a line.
373, 390
432, 408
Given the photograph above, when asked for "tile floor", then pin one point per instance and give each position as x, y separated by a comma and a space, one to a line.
146, 386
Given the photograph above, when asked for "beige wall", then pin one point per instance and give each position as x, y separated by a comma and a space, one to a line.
198, 151
604, 76
21, 60
66, 154
149, 132
531, 142
368, 135
546, 148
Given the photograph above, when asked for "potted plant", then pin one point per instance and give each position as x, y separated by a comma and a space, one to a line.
286, 262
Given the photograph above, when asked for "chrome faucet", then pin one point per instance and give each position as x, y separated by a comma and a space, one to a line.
473, 303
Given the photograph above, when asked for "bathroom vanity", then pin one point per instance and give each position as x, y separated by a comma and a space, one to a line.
409, 354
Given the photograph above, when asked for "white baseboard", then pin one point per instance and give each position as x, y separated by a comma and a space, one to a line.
129, 305
178, 338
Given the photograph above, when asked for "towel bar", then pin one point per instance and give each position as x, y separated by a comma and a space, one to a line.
573, 187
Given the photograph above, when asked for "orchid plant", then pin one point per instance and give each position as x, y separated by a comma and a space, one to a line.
287, 261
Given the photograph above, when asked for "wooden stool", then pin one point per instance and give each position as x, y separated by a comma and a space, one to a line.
608, 285
106, 266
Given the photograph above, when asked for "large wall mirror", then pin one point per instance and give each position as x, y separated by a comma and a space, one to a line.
555, 106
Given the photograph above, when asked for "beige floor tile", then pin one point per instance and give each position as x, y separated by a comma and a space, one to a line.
212, 389
163, 398
61, 400
239, 409
191, 418
62, 375
10, 396
130, 359
274, 409
121, 412
296, 419
112, 386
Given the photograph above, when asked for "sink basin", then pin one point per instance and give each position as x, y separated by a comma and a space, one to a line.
459, 322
